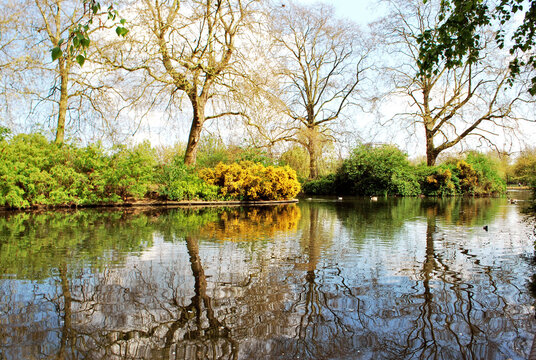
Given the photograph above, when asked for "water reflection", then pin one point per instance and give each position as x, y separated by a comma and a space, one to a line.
398, 278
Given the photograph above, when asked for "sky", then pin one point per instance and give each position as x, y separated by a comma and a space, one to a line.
362, 12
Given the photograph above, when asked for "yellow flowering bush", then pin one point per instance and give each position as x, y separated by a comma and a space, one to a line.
250, 181
468, 177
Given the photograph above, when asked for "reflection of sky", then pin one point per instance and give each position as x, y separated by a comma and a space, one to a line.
384, 291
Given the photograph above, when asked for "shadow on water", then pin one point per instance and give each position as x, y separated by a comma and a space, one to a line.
393, 279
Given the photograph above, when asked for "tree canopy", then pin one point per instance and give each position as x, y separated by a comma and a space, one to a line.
456, 39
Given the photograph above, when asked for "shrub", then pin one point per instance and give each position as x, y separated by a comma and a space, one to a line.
130, 171
524, 168
326, 185
180, 182
436, 180
478, 175
4, 133
468, 177
372, 170
250, 181
34, 171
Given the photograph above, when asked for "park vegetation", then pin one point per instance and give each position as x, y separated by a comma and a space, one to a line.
37, 172
271, 96
385, 170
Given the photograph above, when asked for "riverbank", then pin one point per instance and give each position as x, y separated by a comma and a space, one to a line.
157, 203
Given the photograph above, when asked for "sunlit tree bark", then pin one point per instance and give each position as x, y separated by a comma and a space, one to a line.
56, 17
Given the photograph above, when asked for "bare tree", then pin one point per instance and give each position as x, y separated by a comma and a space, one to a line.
13, 56
54, 87
322, 61
448, 103
54, 19
184, 48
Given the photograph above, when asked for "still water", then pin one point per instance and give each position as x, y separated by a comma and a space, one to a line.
322, 279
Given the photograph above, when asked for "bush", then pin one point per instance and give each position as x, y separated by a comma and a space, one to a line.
212, 151
523, 170
378, 170
250, 181
477, 174
129, 173
326, 185
180, 182
34, 171
489, 180
436, 180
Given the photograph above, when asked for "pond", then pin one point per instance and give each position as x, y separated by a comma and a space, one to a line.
322, 279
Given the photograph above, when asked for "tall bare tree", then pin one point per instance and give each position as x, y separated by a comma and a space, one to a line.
13, 56
322, 60
449, 103
185, 48
53, 85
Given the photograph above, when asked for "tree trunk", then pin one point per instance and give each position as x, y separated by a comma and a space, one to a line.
313, 164
64, 97
431, 151
198, 106
312, 148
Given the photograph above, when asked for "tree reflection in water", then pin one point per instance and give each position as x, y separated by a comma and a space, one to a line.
400, 279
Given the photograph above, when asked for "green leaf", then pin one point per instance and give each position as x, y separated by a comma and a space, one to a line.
121, 31
56, 53
95, 8
80, 59
122, 21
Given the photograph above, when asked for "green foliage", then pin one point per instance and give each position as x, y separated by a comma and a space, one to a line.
254, 155
180, 182
477, 174
213, 151
77, 44
4, 133
372, 170
326, 185
297, 158
436, 180
489, 180
34, 171
524, 168
468, 177
457, 39
130, 171
249, 181
385, 170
